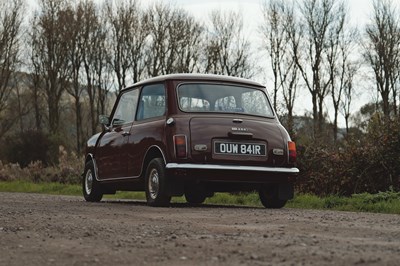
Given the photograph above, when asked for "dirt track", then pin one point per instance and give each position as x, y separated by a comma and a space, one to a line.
59, 230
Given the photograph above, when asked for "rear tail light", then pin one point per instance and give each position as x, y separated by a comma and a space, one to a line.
292, 151
180, 146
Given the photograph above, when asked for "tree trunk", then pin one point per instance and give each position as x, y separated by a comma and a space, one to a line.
335, 126
78, 117
320, 116
315, 113
54, 116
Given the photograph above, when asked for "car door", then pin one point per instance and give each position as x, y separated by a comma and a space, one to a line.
149, 127
112, 150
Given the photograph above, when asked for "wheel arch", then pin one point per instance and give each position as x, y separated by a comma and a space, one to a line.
151, 153
90, 157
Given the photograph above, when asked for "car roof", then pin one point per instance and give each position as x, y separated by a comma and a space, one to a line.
198, 77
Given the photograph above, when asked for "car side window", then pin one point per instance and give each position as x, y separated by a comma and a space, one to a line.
152, 102
125, 111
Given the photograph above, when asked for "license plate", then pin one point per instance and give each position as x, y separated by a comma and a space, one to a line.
238, 148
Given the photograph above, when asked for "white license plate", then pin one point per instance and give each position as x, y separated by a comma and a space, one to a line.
238, 148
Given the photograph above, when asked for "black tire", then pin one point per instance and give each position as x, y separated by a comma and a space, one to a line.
91, 188
195, 197
156, 184
269, 197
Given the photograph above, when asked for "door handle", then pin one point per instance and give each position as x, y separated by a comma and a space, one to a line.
125, 133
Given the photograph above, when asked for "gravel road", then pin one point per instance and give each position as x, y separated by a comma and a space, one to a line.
61, 230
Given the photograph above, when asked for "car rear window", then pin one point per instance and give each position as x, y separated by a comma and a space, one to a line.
195, 97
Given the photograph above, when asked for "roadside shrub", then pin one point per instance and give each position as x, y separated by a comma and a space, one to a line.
11, 172
69, 168
67, 171
30, 146
367, 163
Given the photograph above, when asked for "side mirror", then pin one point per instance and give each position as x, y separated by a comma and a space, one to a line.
117, 122
104, 120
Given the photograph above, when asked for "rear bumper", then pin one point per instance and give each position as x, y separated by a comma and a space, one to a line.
283, 170
231, 173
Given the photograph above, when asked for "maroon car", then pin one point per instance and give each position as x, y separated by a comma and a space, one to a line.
192, 135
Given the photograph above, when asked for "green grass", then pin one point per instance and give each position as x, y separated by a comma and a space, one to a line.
382, 202
306, 201
247, 199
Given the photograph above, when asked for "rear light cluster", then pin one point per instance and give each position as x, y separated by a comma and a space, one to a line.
292, 151
180, 143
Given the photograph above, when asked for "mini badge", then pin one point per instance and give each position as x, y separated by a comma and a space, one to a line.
277, 152
200, 147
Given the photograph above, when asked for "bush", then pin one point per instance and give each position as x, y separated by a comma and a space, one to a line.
369, 163
67, 171
31, 146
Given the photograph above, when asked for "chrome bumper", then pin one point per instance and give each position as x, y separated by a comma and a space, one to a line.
232, 167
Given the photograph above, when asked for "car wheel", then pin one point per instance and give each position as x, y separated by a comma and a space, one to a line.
269, 197
156, 192
195, 197
90, 187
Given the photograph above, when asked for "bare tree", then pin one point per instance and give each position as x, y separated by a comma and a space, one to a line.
21, 102
35, 85
275, 39
348, 91
227, 50
97, 71
281, 37
341, 66
321, 18
185, 34
289, 76
74, 18
128, 33
174, 43
137, 42
10, 31
160, 48
50, 44
342, 87
382, 52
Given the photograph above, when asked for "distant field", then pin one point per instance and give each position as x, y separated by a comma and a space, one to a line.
383, 202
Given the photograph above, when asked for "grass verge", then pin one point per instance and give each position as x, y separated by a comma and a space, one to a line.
382, 202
